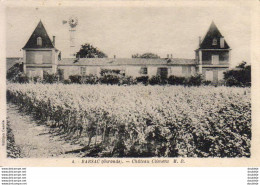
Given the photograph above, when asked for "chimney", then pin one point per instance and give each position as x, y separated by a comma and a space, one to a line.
222, 43
53, 41
167, 55
171, 55
114, 56
199, 41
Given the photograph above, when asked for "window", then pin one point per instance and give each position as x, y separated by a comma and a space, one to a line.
39, 41
163, 72
215, 59
83, 70
214, 42
143, 70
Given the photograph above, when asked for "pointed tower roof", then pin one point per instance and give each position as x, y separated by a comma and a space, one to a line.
39, 31
213, 33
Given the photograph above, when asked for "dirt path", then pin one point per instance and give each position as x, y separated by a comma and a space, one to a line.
36, 141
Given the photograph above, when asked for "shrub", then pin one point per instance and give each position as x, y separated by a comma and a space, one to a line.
109, 71
206, 82
60, 73
36, 79
175, 80
157, 80
91, 79
221, 82
108, 78
240, 76
142, 79
67, 81
75, 79
190, 81
50, 78
127, 80
21, 78
111, 79
232, 81
194, 80
15, 74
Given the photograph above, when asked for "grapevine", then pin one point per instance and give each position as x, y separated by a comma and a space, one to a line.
143, 121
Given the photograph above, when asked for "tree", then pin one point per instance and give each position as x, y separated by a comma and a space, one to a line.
240, 76
145, 55
16, 74
88, 51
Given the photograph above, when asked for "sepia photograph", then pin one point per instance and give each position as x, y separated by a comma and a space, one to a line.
128, 82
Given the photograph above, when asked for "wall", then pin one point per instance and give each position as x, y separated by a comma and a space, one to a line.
152, 71
172, 70
130, 70
133, 71
70, 70
76, 70
184, 71
93, 70
176, 71
33, 55
223, 57
197, 56
33, 72
213, 74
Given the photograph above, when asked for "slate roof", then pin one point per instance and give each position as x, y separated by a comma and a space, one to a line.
212, 33
39, 31
125, 61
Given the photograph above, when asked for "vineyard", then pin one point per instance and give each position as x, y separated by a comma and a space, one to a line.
143, 121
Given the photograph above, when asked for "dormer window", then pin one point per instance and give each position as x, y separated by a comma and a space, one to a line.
39, 41
214, 42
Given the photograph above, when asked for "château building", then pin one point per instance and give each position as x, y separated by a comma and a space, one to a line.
212, 58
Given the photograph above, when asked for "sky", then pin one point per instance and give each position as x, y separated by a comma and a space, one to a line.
123, 31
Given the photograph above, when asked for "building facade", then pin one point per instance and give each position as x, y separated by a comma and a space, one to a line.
134, 67
211, 60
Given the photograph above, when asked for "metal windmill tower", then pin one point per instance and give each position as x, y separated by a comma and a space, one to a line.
73, 22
